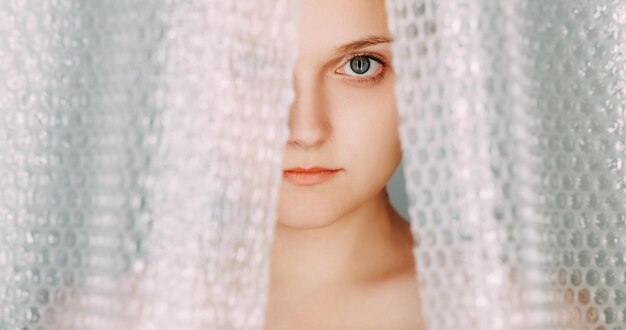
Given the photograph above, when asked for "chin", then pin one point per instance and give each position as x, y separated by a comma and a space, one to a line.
305, 218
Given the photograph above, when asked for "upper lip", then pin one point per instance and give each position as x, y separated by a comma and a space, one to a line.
310, 170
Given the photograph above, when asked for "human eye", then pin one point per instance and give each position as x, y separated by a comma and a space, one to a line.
366, 68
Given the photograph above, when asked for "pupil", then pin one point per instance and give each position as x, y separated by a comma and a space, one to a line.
360, 64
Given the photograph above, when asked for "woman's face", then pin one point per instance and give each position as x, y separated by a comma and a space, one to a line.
343, 117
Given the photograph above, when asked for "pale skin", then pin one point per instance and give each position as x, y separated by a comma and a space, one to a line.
342, 256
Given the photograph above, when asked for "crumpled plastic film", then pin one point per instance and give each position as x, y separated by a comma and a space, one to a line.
512, 125
141, 157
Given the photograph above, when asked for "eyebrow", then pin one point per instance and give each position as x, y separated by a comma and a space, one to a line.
361, 43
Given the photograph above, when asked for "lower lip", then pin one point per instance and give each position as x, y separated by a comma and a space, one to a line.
309, 178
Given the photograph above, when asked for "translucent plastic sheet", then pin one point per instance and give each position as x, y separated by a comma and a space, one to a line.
140, 148
513, 132
140, 156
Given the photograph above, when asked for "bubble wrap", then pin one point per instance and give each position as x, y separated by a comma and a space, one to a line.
141, 147
512, 124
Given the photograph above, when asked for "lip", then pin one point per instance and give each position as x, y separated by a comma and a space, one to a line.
308, 177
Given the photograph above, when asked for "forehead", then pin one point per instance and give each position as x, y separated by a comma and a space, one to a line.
324, 25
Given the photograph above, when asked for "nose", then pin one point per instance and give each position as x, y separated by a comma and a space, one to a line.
309, 126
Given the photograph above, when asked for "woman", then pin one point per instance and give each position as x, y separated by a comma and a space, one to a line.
342, 256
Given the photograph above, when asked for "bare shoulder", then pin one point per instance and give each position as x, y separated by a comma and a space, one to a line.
390, 304
393, 299
394, 303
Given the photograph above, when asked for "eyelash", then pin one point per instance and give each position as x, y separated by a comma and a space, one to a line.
372, 79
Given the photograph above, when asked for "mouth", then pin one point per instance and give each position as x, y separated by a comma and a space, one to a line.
308, 177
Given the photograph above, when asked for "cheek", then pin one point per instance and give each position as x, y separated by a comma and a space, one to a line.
366, 122
367, 134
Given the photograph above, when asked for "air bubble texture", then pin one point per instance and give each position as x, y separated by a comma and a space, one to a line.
512, 124
140, 159
141, 144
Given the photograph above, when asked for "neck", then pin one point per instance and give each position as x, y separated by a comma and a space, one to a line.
358, 247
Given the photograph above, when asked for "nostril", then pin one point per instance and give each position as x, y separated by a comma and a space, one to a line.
307, 136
